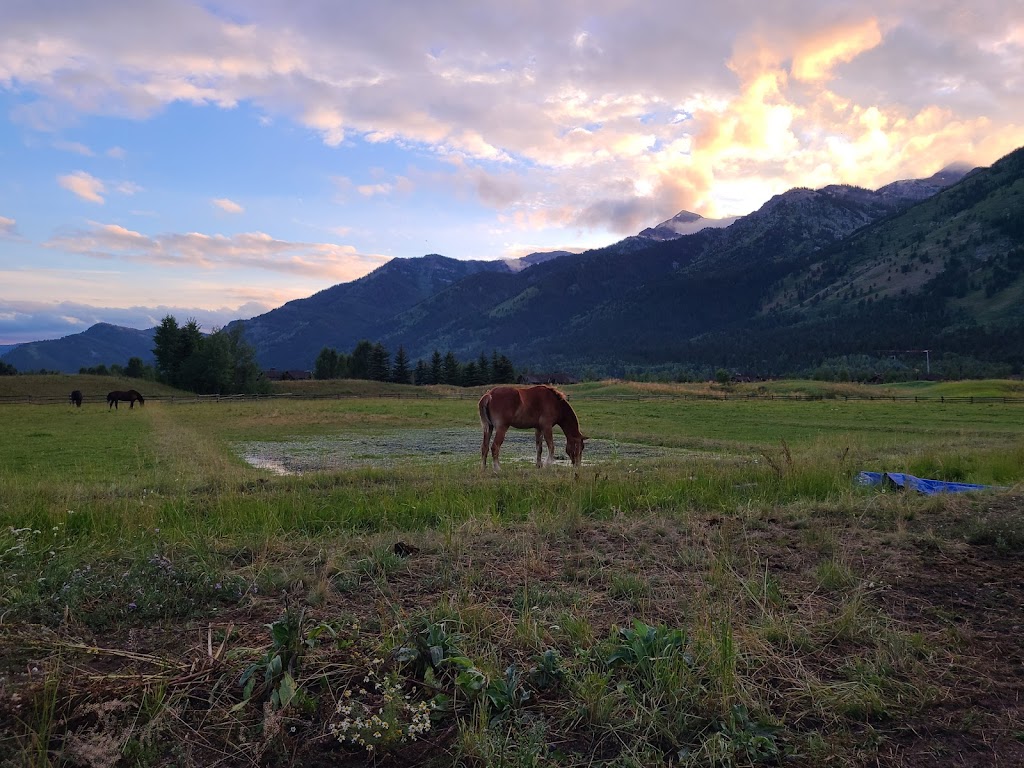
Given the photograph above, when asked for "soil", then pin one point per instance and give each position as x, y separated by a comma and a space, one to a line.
966, 599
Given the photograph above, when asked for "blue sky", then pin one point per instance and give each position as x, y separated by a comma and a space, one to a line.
217, 160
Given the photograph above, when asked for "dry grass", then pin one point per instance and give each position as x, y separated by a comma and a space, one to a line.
864, 641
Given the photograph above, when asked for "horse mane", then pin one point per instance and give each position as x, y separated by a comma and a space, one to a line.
555, 391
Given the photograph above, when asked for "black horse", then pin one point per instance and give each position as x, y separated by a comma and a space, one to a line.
76, 398
131, 396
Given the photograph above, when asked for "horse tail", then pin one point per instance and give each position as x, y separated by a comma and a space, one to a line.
485, 412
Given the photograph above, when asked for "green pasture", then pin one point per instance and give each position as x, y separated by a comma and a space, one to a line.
711, 587
668, 453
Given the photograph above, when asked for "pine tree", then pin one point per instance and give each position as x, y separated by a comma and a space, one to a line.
326, 365
380, 363
495, 370
483, 369
400, 370
470, 375
436, 369
451, 370
167, 349
503, 372
136, 369
421, 375
359, 363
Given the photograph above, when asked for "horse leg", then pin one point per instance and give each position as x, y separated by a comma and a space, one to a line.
499, 438
550, 440
540, 445
486, 444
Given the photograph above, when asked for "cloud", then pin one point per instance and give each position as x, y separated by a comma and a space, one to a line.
816, 56
74, 146
228, 206
252, 250
8, 227
373, 190
84, 185
572, 100
24, 321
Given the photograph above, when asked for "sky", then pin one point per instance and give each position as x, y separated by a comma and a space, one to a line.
215, 160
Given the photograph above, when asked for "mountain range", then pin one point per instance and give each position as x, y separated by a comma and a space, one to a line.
813, 274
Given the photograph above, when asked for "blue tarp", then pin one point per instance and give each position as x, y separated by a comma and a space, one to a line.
902, 481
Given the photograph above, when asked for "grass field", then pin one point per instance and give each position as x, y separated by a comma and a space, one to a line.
335, 580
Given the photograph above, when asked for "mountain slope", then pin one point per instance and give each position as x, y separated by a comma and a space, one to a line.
102, 344
639, 301
961, 248
292, 335
812, 274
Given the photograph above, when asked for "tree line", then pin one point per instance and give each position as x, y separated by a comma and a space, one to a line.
222, 362
135, 369
374, 362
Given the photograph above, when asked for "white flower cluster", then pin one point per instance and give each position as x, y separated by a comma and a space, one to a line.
382, 718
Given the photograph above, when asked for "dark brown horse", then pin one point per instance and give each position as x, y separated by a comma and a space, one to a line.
76, 398
540, 408
130, 395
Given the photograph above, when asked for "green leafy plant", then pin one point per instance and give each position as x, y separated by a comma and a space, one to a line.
280, 663
547, 671
641, 645
746, 741
506, 694
431, 650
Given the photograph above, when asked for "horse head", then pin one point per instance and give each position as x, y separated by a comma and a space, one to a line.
574, 448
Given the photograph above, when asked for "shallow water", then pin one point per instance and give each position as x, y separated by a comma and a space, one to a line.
428, 446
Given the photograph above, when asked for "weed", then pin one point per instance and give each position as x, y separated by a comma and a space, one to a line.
1005, 533
378, 714
626, 586
737, 740
547, 671
289, 641
506, 694
431, 649
641, 645
834, 575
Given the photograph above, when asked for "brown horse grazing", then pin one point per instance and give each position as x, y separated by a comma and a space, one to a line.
131, 396
540, 408
76, 398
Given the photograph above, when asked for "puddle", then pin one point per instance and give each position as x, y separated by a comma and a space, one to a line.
265, 462
427, 446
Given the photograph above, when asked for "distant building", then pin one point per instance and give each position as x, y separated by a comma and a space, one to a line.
273, 374
547, 378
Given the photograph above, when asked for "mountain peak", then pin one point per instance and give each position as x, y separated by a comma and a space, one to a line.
683, 223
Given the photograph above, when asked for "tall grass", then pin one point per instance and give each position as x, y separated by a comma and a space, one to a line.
702, 591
